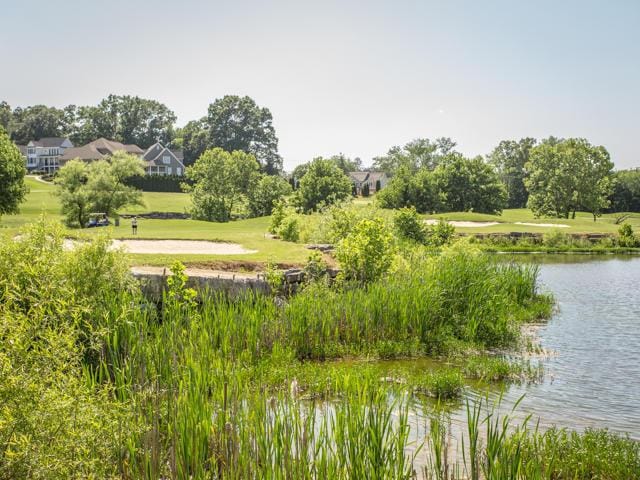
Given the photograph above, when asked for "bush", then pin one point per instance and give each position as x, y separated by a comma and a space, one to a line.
278, 214
267, 192
289, 229
556, 238
626, 237
323, 184
409, 225
441, 233
367, 252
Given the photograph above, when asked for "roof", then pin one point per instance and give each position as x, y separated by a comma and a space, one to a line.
156, 150
23, 149
375, 176
48, 142
358, 176
98, 149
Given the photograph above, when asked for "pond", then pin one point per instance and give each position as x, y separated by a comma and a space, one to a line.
593, 378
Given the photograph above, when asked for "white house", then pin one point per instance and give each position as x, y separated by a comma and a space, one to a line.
44, 154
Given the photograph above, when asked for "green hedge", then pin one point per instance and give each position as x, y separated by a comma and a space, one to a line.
157, 183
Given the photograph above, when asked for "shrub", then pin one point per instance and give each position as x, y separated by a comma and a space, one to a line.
267, 192
367, 252
365, 190
441, 233
409, 225
626, 237
289, 229
315, 268
278, 214
556, 238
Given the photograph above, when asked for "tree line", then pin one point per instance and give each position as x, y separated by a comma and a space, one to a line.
232, 123
552, 177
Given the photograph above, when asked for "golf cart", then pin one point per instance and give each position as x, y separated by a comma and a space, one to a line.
98, 220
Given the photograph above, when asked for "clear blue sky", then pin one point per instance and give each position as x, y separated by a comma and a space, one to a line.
346, 76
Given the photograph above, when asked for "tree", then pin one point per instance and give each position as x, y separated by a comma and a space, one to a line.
72, 190
509, 159
626, 191
400, 191
194, 138
264, 195
97, 187
106, 182
5, 117
36, 122
238, 123
222, 181
365, 190
565, 175
345, 164
12, 172
324, 184
126, 119
469, 185
418, 153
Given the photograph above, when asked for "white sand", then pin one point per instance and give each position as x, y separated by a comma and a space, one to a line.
549, 225
454, 223
180, 246
173, 247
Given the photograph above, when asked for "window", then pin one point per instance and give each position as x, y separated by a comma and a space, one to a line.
166, 159
168, 170
178, 171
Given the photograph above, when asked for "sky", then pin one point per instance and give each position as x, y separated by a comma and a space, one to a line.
352, 77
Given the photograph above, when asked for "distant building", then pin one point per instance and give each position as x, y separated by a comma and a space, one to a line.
98, 150
159, 160
375, 180
44, 155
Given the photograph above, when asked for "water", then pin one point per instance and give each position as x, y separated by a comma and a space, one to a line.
593, 380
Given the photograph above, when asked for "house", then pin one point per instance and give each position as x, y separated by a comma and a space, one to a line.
97, 150
44, 154
375, 180
159, 160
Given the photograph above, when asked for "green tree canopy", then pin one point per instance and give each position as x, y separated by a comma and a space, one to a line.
418, 153
323, 184
222, 180
469, 185
509, 159
127, 119
266, 192
98, 186
38, 121
566, 175
238, 123
626, 191
12, 172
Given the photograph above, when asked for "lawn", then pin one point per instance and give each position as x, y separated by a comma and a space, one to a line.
583, 223
251, 233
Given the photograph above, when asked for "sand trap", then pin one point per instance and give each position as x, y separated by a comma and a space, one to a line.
173, 247
181, 246
549, 225
454, 223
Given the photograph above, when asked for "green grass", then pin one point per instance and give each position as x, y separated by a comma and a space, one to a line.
98, 383
250, 233
583, 223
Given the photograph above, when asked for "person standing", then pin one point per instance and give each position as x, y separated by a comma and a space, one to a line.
134, 225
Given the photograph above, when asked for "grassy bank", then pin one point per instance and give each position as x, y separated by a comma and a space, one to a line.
95, 382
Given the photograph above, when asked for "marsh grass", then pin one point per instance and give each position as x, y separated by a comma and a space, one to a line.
97, 383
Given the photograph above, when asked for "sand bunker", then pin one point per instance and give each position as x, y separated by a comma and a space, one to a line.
181, 247
202, 247
454, 223
549, 225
